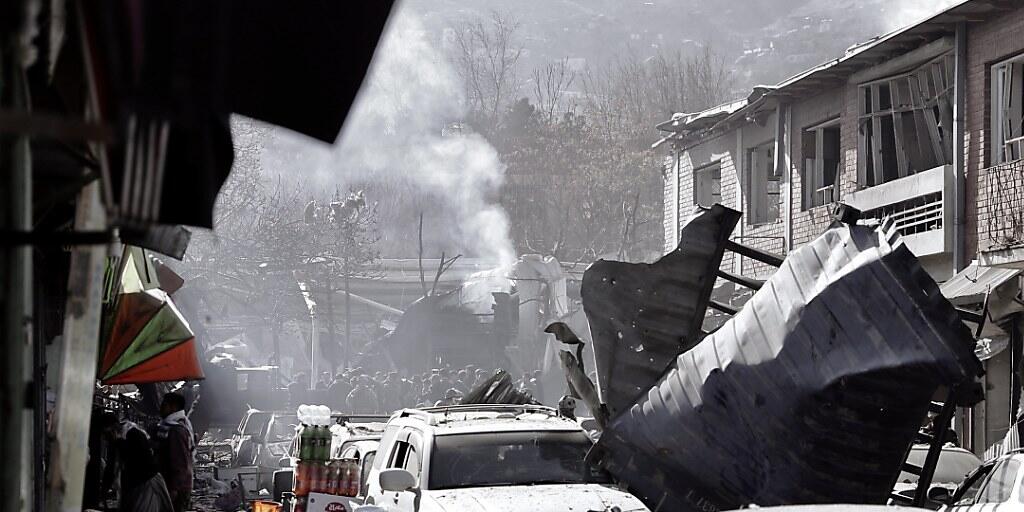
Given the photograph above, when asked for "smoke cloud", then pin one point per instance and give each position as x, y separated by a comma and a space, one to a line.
393, 146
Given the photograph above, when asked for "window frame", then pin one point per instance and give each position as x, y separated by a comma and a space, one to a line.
979, 475
1007, 489
759, 180
810, 178
998, 107
925, 116
699, 187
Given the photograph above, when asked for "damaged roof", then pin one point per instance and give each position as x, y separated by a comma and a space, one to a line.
840, 352
835, 71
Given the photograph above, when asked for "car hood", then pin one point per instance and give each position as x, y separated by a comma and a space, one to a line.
537, 498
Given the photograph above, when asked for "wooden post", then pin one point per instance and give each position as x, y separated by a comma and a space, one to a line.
79, 348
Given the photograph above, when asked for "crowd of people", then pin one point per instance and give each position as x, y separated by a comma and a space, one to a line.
357, 391
147, 470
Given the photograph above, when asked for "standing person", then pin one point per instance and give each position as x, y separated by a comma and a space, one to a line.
142, 485
338, 392
362, 399
175, 442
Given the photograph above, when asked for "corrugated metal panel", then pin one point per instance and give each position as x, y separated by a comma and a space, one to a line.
643, 315
974, 282
810, 394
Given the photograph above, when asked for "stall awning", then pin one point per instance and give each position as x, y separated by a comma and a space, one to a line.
972, 283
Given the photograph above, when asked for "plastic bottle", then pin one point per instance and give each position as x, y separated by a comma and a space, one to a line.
306, 443
302, 483
325, 443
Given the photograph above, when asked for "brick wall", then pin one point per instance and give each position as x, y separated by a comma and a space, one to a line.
670, 176
988, 43
840, 102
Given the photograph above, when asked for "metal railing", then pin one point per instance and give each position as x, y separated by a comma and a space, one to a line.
1003, 207
912, 216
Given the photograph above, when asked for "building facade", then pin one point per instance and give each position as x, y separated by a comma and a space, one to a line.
925, 126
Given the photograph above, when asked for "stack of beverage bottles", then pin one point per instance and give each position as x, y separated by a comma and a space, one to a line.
315, 471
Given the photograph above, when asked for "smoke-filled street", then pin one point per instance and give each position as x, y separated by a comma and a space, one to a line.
546, 255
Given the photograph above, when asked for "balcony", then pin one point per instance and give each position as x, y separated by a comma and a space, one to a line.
1001, 215
920, 205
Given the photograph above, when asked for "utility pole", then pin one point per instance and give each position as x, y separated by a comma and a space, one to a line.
331, 341
348, 318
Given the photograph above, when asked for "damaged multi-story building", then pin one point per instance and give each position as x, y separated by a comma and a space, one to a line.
923, 126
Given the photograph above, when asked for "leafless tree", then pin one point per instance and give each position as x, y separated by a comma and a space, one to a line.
550, 84
487, 57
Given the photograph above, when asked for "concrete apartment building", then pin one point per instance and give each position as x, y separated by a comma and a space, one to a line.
925, 126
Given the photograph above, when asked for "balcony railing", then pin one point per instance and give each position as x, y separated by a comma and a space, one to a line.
1003, 208
919, 205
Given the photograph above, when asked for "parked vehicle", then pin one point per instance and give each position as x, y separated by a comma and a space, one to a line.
954, 465
259, 445
263, 438
995, 484
489, 457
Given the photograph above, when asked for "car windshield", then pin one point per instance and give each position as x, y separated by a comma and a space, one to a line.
511, 458
282, 429
952, 468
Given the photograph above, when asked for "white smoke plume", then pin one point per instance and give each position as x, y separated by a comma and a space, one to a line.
393, 141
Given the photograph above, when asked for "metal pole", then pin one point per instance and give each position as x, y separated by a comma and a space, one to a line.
348, 321
16, 262
959, 155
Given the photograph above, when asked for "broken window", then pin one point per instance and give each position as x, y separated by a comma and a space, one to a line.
821, 155
1007, 114
707, 185
906, 123
765, 183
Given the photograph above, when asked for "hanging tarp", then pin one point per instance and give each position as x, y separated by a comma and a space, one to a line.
146, 339
149, 342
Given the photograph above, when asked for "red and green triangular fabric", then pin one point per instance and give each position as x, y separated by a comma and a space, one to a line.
146, 325
177, 363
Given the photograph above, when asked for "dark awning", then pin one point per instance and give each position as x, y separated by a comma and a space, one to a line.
167, 75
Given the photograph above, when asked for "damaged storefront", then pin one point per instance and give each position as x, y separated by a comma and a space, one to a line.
994, 296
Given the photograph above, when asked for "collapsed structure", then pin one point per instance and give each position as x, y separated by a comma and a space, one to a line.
812, 393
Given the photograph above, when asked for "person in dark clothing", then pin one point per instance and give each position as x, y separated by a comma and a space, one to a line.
142, 487
338, 392
175, 444
363, 399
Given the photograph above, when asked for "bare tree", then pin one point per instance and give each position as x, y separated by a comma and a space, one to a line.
708, 79
631, 94
550, 84
487, 56
341, 246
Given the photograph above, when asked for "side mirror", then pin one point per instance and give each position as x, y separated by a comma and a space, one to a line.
939, 495
285, 462
396, 480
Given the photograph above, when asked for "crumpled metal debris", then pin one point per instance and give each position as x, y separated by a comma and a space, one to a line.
643, 315
498, 389
811, 393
